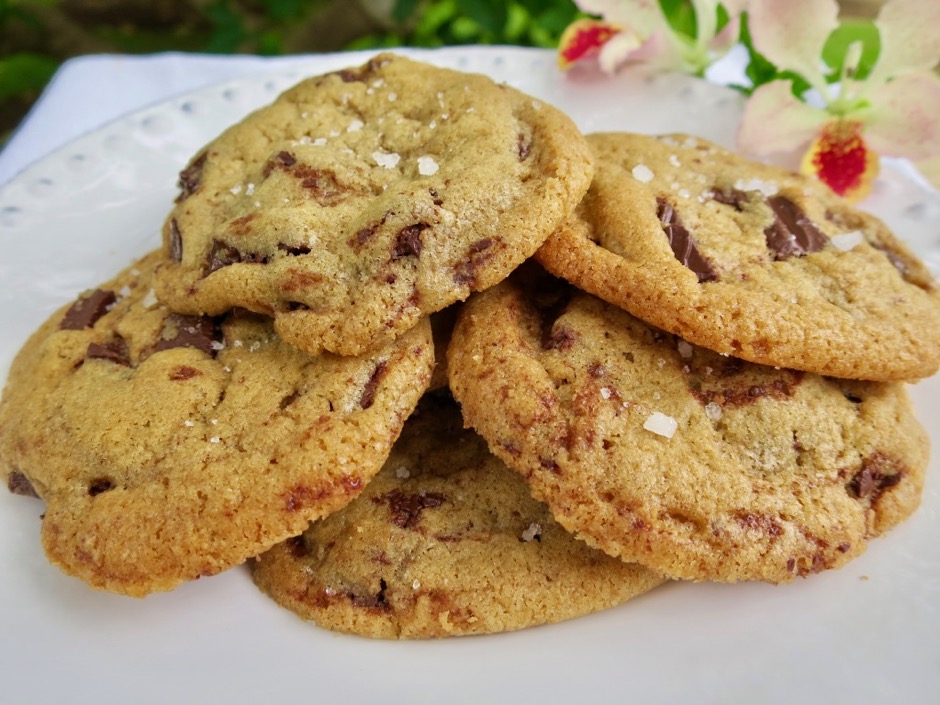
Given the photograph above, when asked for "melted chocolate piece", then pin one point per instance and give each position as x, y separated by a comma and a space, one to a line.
680, 240
792, 234
222, 255
116, 351
406, 508
877, 474
190, 332
176, 241
100, 486
730, 197
408, 243
191, 177
368, 391
86, 311
478, 254
19, 484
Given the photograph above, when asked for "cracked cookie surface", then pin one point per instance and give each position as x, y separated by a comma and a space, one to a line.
169, 447
445, 541
697, 465
748, 260
362, 200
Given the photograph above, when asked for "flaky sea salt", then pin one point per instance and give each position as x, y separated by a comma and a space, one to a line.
214, 439
249, 189
402, 473
150, 299
189, 424
661, 424
846, 241
389, 160
534, 529
427, 166
674, 160
642, 173
768, 188
236, 189
355, 126
416, 585
605, 392
319, 142
713, 410
392, 97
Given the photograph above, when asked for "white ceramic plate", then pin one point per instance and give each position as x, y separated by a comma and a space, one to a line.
867, 633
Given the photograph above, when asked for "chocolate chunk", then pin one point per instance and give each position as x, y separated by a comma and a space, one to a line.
222, 254
99, 486
294, 250
297, 546
368, 391
176, 241
86, 311
115, 351
19, 484
680, 240
191, 177
877, 474
792, 234
406, 508
408, 243
478, 254
730, 197
198, 332
183, 373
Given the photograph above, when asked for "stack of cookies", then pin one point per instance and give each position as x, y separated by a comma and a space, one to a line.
676, 364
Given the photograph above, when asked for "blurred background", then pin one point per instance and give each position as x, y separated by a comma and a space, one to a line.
36, 36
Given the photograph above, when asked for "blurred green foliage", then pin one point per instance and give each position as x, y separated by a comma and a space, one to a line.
448, 22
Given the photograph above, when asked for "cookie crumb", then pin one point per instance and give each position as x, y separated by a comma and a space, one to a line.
661, 424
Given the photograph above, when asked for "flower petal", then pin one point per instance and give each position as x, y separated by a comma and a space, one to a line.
727, 37
910, 38
583, 39
792, 34
620, 48
841, 159
644, 16
904, 117
774, 121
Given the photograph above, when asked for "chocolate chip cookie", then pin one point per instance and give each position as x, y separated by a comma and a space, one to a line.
168, 447
445, 541
748, 260
362, 200
698, 465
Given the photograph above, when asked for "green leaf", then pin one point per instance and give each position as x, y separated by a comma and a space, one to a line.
491, 15
404, 9
846, 34
228, 29
681, 16
286, 10
24, 73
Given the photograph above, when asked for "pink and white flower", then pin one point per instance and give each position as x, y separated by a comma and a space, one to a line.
840, 128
